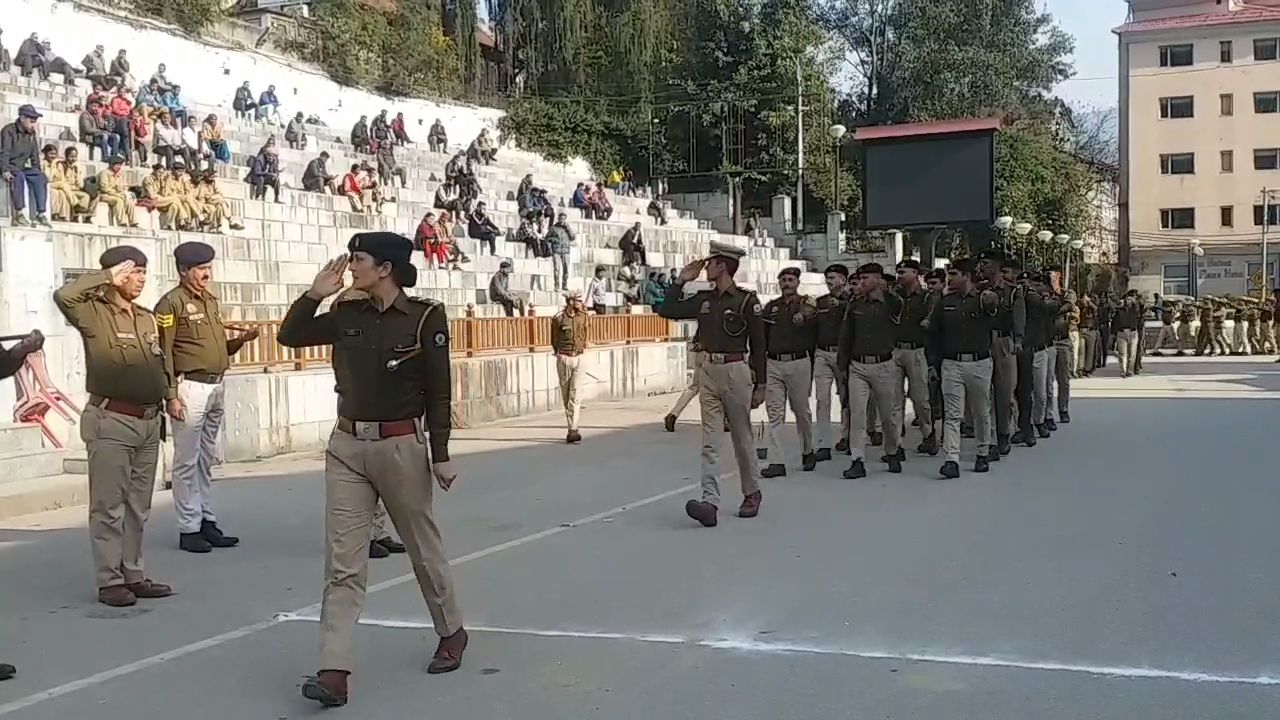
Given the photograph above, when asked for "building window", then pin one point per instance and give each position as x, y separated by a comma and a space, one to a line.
1182, 106
1178, 164
1266, 49
1227, 104
1266, 103
1227, 215
1228, 158
1178, 219
1177, 55
1177, 279
1273, 215
1266, 159
1225, 51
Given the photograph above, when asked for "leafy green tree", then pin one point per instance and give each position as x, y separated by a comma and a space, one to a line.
190, 15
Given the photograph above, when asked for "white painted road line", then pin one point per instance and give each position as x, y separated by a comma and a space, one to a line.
755, 646
147, 662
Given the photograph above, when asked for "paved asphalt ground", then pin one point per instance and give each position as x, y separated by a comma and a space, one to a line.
1126, 569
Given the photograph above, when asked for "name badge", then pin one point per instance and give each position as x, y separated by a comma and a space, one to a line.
352, 332
196, 316
126, 336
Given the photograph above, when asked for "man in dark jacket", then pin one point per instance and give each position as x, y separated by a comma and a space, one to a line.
360, 134
20, 165
120, 69
6, 61
95, 68
317, 177
31, 57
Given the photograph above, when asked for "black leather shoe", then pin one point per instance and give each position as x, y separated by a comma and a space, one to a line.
194, 543
981, 464
1064, 417
702, 511
1017, 438
856, 470
1042, 431
669, 422
377, 552
877, 439
993, 454
929, 446
823, 454
809, 462
394, 547
843, 445
7, 671
1004, 445
966, 431
895, 465
774, 470
950, 470
1051, 424
762, 453
215, 537
900, 455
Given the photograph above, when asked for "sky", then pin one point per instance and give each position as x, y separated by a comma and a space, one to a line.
1090, 22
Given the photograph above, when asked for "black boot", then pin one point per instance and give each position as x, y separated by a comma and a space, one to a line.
928, 446
843, 445
895, 464
981, 464
393, 546
194, 543
809, 462
950, 470
856, 470
1004, 445
669, 422
762, 453
215, 537
377, 552
1051, 424
823, 454
900, 455
1018, 438
966, 431
1064, 417
1042, 431
774, 470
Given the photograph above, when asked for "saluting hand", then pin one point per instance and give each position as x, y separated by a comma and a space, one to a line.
331, 278
691, 271
445, 474
121, 272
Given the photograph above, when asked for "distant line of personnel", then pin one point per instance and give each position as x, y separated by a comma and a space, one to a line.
1254, 330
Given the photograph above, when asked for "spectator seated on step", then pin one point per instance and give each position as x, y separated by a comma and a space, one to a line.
6, 61
379, 132
172, 101
628, 285
120, 69
500, 290
534, 240
448, 225
55, 63
296, 133
113, 191
67, 179
268, 109
120, 113
160, 79
317, 178
398, 130
579, 200
597, 290
98, 96
656, 211
448, 198
632, 246
30, 58
483, 149
216, 209
194, 149
753, 228
151, 99
437, 138
96, 132
351, 189
360, 134
212, 132
481, 227
598, 199
21, 168
243, 103
168, 139
388, 168
95, 67
140, 132
264, 172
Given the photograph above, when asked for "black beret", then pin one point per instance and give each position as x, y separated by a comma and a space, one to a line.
120, 253
1010, 263
937, 274
387, 247
191, 254
909, 264
963, 265
1024, 276
888, 278
789, 271
871, 269
838, 269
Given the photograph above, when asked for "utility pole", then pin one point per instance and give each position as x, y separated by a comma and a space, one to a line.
1266, 224
799, 215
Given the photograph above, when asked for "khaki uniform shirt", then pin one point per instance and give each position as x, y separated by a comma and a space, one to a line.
110, 183
123, 359
181, 185
791, 325
569, 333
52, 170
155, 186
72, 175
192, 336
728, 322
412, 331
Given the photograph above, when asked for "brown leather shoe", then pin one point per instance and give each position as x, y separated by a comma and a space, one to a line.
327, 687
148, 590
750, 505
702, 511
448, 655
117, 596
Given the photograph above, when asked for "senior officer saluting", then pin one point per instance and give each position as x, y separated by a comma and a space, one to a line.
196, 354
729, 324
122, 425
391, 360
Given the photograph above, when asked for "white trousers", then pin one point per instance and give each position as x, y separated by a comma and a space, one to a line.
195, 443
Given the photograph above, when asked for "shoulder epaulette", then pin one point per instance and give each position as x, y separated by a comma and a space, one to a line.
351, 296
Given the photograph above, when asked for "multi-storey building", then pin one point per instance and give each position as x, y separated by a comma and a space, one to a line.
1199, 144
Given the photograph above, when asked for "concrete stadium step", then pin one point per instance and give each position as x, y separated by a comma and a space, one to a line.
33, 495
21, 437
32, 463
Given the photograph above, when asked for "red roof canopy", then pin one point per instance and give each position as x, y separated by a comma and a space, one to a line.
945, 127
1235, 17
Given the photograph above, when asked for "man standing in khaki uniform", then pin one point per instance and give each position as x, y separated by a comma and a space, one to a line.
569, 341
866, 357
197, 353
391, 361
909, 354
729, 325
790, 324
826, 369
122, 425
960, 336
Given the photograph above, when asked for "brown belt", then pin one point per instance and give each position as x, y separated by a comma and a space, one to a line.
377, 430
204, 378
122, 407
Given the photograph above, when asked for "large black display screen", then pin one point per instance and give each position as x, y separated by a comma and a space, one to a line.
928, 181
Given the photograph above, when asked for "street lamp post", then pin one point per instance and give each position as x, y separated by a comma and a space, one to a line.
1193, 251
1075, 244
836, 133
1043, 236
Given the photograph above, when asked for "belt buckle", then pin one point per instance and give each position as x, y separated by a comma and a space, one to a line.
367, 430
968, 357
716, 358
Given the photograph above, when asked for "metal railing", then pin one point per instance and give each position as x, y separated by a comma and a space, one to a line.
468, 337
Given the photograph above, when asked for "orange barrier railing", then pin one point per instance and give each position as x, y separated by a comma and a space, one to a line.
469, 337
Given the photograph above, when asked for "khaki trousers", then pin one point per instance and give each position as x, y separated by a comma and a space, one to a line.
725, 394
173, 212
881, 384
966, 384
1185, 339
1060, 376
1239, 337
357, 473
123, 453
121, 207
569, 370
1004, 374
690, 392
789, 384
1040, 373
60, 201
825, 374
1127, 350
915, 368
1166, 331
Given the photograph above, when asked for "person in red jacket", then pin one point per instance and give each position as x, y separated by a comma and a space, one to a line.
428, 239
120, 112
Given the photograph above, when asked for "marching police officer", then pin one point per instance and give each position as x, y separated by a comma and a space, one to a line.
790, 326
569, 342
826, 370
197, 353
995, 270
909, 351
122, 425
391, 361
867, 341
732, 374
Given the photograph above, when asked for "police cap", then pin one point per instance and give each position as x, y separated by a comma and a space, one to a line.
725, 250
795, 271
838, 269
387, 247
193, 254
120, 253
871, 269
